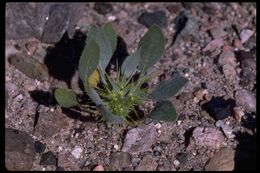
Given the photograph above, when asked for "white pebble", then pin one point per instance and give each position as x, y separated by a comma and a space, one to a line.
116, 147
158, 125
77, 152
176, 162
111, 18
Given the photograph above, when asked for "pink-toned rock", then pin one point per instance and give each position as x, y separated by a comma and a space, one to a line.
210, 138
245, 35
99, 168
214, 44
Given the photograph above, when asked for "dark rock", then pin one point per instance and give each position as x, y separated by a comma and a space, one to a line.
50, 124
182, 157
185, 26
103, 7
59, 168
157, 17
242, 55
246, 99
148, 163
119, 160
45, 21
48, 158
219, 108
157, 153
139, 139
39, 147
248, 65
222, 161
19, 150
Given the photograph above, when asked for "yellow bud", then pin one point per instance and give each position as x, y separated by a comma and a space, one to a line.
94, 79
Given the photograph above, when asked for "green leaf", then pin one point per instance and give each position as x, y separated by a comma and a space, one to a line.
89, 60
152, 47
65, 97
169, 88
130, 64
164, 111
108, 116
111, 35
104, 44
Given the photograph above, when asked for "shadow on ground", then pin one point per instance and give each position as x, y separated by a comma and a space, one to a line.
62, 62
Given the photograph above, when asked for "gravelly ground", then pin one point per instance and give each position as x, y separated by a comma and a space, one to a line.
207, 53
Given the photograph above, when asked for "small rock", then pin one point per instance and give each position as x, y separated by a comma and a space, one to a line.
227, 57
182, 157
218, 32
228, 131
242, 55
147, 163
245, 35
76, 152
99, 168
48, 158
214, 44
31, 46
158, 125
219, 108
19, 150
157, 17
103, 8
222, 161
59, 168
200, 94
238, 113
39, 147
176, 163
50, 124
139, 139
229, 71
206, 137
246, 99
119, 160
63, 160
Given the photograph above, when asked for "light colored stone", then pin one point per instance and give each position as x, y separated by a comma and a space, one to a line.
76, 152
222, 161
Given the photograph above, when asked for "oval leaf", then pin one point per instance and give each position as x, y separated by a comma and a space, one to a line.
89, 60
164, 111
104, 44
152, 47
169, 88
111, 35
65, 97
130, 64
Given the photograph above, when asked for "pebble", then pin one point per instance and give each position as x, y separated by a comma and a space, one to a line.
182, 157
119, 160
39, 147
245, 35
214, 44
103, 8
228, 131
176, 163
158, 125
219, 108
148, 19
222, 161
99, 168
218, 32
116, 147
206, 137
76, 152
246, 99
19, 150
148, 163
139, 139
238, 113
48, 158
